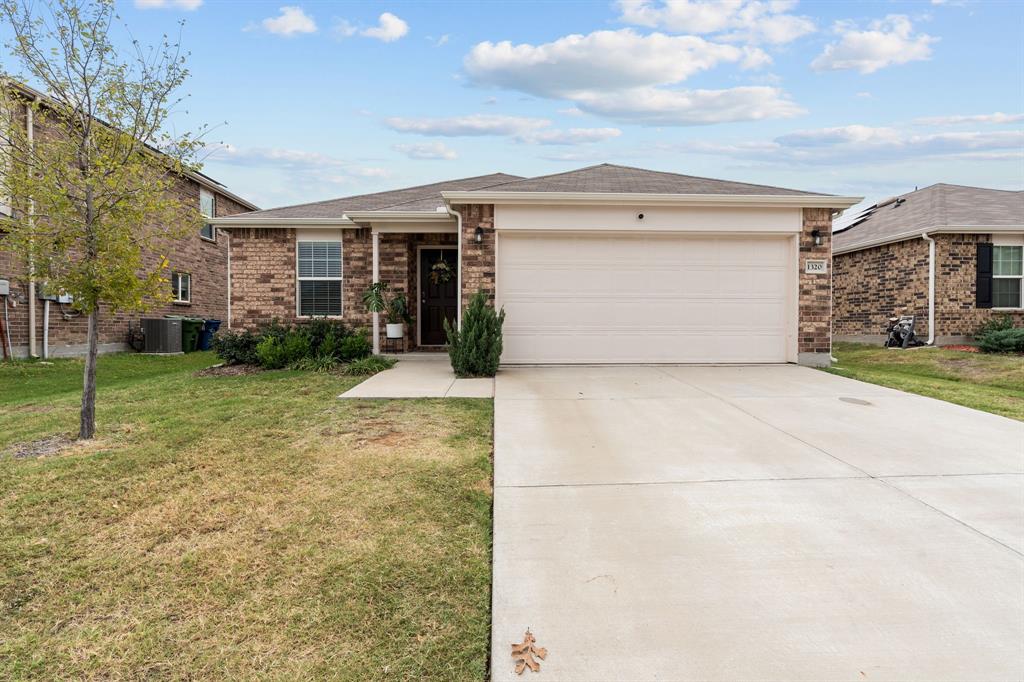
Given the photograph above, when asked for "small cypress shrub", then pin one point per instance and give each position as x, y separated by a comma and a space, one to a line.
475, 350
1002, 341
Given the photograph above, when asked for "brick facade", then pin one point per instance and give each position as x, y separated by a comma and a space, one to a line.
814, 336
204, 260
263, 282
876, 283
478, 260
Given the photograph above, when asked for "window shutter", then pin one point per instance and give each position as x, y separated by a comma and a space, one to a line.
984, 275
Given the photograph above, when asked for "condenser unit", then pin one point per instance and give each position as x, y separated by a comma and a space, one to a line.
162, 335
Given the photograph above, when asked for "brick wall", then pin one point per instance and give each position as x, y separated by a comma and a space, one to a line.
204, 260
262, 276
478, 260
815, 294
876, 283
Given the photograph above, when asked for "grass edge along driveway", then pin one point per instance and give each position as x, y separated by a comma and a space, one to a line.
241, 527
991, 383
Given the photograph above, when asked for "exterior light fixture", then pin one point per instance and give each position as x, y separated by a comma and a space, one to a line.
478, 235
817, 237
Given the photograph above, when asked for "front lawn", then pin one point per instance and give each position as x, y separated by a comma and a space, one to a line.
993, 383
240, 527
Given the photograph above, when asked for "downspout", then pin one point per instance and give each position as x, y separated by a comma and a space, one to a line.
29, 130
458, 259
227, 234
931, 287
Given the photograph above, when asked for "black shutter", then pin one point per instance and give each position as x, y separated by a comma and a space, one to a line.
984, 274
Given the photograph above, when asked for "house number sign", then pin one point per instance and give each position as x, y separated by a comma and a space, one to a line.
815, 267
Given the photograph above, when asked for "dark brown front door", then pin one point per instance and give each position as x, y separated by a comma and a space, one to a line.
438, 298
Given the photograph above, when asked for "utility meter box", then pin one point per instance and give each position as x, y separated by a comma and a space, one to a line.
5, 287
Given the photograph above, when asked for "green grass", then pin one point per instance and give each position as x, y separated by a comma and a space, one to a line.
993, 383
241, 527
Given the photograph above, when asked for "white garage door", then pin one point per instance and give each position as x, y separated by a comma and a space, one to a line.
573, 298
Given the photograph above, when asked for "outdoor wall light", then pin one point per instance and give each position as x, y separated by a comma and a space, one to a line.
817, 237
478, 235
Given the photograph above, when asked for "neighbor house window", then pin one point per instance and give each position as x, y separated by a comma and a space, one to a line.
208, 208
319, 274
181, 287
1007, 276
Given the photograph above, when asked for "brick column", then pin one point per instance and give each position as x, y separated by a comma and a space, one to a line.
478, 260
814, 326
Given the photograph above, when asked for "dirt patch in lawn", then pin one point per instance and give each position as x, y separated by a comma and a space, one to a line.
51, 445
228, 371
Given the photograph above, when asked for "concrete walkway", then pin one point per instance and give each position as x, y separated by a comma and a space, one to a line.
753, 523
421, 375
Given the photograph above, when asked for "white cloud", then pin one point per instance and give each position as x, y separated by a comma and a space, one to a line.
602, 60
344, 29
291, 21
996, 118
426, 150
388, 29
187, 5
312, 167
519, 128
751, 21
865, 95
439, 41
621, 75
886, 42
571, 111
656, 106
865, 144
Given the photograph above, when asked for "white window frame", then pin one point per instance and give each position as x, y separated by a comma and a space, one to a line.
1008, 240
203, 192
299, 279
176, 278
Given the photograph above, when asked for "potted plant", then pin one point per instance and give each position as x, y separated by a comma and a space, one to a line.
395, 306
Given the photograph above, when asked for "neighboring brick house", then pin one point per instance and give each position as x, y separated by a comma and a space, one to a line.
883, 262
198, 265
604, 264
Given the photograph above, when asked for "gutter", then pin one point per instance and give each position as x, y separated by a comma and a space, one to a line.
938, 229
640, 199
931, 287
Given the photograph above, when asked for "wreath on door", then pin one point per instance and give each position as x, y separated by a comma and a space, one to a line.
441, 272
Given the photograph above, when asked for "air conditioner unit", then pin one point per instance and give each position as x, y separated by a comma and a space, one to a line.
162, 335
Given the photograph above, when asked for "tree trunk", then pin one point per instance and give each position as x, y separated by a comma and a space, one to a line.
87, 423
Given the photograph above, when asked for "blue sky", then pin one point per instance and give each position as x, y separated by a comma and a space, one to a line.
327, 99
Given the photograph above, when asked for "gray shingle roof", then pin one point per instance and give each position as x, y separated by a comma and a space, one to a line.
611, 178
937, 206
420, 198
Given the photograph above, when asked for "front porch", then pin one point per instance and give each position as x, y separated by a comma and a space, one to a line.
417, 257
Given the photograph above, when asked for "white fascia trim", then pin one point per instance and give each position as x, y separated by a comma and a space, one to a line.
242, 221
907, 236
213, 186
641, 199
398, 216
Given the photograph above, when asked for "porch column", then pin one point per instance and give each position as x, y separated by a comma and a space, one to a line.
376, 278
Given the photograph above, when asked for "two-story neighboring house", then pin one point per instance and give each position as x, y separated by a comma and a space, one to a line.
198, 273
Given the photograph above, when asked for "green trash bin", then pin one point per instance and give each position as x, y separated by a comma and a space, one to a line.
190, 328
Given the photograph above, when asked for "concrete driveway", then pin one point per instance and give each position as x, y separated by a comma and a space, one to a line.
740, 523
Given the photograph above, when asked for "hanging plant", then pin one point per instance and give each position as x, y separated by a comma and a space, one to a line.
441, 272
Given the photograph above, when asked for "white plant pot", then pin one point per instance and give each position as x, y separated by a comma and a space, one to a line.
396, 331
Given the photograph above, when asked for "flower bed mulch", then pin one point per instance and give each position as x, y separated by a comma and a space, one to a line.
964, 348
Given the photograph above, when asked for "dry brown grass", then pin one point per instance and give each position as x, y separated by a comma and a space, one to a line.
259, 528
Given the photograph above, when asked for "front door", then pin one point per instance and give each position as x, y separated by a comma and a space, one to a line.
438, 294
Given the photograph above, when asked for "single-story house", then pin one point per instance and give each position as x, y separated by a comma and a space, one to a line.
948, 254
605, 264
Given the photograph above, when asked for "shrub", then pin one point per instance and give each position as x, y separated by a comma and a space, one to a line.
276, 352
370, 365
1002, 341
994, 324
475, 350
354, 347
320, 331
316, 363
237, 348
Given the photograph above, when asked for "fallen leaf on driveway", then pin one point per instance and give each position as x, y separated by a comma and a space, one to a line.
524, 652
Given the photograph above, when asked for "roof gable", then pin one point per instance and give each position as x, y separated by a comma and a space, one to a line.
614, 179
936, 206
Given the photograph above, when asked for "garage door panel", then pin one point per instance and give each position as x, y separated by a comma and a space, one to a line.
663, 298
